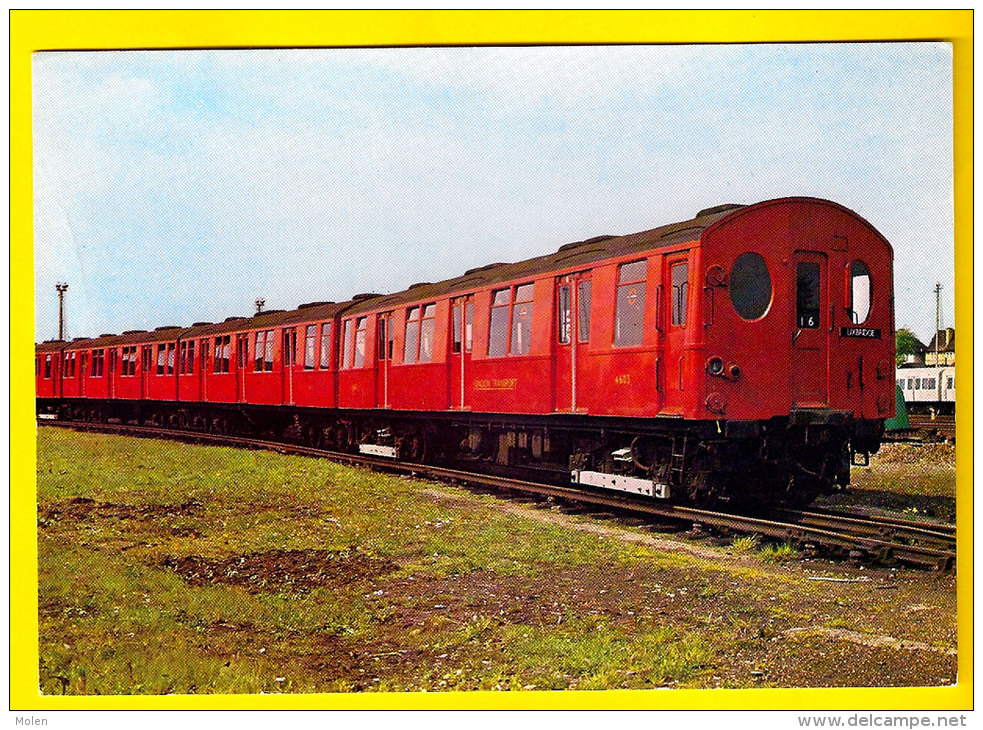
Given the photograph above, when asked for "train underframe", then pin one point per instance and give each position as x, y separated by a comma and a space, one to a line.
790, 459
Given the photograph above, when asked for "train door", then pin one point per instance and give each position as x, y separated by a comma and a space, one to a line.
83, 373
573, 300
672, 321
462, 328
112, 372
289, 356
242, 358
203, 372
146, 362
809, 371
383, 354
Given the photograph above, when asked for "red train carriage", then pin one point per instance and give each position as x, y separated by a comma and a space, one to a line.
745, 353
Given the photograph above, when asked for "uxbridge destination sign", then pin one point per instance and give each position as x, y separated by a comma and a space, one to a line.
866, 332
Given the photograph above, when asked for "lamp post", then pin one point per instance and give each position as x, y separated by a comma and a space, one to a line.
61, 287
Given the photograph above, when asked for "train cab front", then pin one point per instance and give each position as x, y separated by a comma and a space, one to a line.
799, 343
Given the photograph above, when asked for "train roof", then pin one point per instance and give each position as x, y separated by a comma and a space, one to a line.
567, 256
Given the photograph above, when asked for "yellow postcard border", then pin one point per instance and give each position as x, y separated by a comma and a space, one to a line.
32, 31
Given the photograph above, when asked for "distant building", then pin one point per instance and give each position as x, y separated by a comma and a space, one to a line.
915, 359
946, 340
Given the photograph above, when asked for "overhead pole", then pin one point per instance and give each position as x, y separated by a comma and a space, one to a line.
938, 319
61, 287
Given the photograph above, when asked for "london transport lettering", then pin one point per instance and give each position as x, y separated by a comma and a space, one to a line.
495, 384
866, 332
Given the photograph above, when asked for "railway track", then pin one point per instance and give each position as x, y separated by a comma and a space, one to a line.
881, 539
925, 429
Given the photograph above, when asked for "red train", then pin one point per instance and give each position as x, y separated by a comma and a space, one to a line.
747, 353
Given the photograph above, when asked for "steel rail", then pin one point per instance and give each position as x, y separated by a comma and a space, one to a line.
830, 530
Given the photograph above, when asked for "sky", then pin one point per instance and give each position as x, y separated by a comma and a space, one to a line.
178, 186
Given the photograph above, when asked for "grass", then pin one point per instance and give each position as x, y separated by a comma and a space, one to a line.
170, 568
114, 619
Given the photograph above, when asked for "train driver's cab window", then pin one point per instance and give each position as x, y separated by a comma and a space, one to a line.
680, 293
630, 314
858, 293
807, 295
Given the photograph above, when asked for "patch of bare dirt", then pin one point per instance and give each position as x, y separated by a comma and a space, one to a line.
83, 508
922, 454
291, 571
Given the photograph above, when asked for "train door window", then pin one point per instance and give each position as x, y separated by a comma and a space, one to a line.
498, 332
412, 343
630, 313
182, 366
191, 357
750, 286
381, 328
427, 333
522, 320
680, 292
468, 325
563, 319
258, 347
97, 363
222, 352
148, 355
268, 355
161, 358
47, 367
310, 345
457, 329
583, 311
858, 293
348, 351
170, 358
807, 295
325, 345
360, 325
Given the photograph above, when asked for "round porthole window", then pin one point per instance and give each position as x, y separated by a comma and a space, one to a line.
750, 286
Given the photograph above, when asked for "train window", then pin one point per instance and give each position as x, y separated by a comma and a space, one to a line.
258, 348
47, 367
807, 295
325, 345
161, 357
498, 332
750, 286
170, 358
680, 293
411, 345
583, 311
563, 320
347, 345
456, 328
381, 328
468, 325
268, 357
426, 333
949, 384
360, 342
310, 346
928, 383
98, 359
221, 352
630, 314
858, 293
191, 359
522, 320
